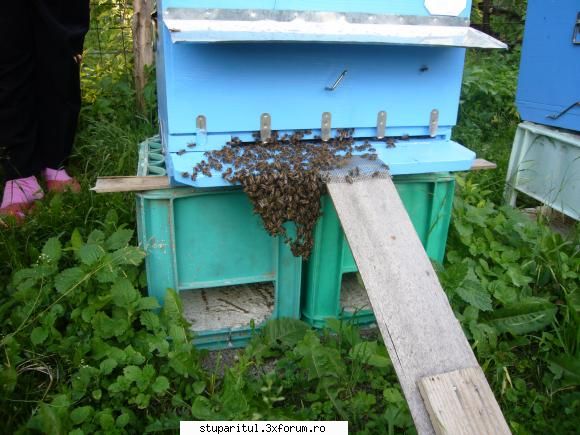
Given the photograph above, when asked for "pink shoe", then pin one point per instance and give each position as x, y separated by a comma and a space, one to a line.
58, 180
19, 196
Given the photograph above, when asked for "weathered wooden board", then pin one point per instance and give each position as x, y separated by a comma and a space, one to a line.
482, 164
131, 184
462, 403
421, 333
150, 182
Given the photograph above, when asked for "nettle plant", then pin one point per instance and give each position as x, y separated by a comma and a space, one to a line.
83, 349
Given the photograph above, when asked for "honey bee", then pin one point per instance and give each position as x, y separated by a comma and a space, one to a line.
180, 152
191, 145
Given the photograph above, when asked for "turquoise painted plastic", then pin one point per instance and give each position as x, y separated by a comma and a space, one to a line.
211, 238
427, 198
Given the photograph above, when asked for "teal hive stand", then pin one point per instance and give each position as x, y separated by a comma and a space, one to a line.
198, 239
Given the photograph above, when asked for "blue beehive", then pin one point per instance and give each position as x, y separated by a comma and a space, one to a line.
245, 69
383, 68
549, 82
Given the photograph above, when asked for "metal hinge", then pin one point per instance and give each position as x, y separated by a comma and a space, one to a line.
433, 122
325, 126
201, 130
265, 127
381, 124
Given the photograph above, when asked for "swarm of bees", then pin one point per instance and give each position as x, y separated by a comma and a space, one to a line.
283, 178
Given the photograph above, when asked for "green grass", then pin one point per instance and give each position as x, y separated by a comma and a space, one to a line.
83, 350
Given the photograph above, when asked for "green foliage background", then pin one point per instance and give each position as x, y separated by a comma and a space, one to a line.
85, 351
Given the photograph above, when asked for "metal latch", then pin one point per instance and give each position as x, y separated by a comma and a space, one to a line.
381, 124
201, 130
337, 81
265, 127
325, 126
563, 112
433, 122
576, 32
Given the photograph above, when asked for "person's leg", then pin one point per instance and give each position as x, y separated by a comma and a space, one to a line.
17, 109
17, 92
58, 98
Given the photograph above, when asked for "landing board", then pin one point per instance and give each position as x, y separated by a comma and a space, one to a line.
421, 333
418, 156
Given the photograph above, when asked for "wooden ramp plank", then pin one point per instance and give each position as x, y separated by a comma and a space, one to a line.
421, 333
461, 403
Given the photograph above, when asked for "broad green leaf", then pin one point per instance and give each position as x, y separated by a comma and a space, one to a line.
107, 366
122, 420
370, 353
319, 361
517, 277
202, 409
79, 415
8, 380
172, 307
68, 278
52, 250
106, 420
147, 303
128, 255
90, 253
198, 387
119, 239
284, 331
106, 327
112, 218
46, 420
124, 294
566, 368
134, 357
522, 318
108, 273
392, 395
38, 335
503, 292
132, 373
96, 237
472, 292
76, 240
150, 320
161, 385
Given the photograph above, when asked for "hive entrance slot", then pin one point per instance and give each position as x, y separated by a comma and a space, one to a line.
353, 296
230, 307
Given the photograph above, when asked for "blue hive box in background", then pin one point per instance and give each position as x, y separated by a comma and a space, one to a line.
549, 82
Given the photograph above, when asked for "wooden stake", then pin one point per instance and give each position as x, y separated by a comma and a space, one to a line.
142, 46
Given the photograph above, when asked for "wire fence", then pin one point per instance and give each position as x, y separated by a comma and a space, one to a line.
109, 41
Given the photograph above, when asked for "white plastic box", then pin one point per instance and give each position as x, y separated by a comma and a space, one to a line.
545, 164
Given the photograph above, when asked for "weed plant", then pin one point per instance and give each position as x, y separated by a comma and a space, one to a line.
84, 350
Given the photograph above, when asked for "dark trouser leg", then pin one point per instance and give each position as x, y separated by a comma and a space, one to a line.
17, 92
58, 114
58, 90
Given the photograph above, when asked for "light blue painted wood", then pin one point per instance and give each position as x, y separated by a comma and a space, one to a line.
408, 157
549, 78
233, 84
395, 7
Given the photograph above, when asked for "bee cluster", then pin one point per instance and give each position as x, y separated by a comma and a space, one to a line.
284, 178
